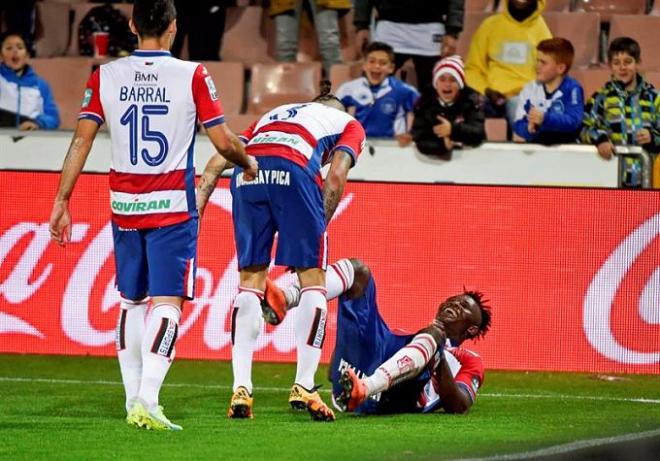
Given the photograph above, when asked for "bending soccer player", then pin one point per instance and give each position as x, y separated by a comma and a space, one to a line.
151, 103
289, 197
401, 373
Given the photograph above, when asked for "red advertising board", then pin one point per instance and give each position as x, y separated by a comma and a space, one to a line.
573, 275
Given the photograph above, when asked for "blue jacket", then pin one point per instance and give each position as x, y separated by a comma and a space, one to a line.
382, 109
564, 109
27, 97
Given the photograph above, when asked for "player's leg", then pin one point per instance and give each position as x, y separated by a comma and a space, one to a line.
132, 283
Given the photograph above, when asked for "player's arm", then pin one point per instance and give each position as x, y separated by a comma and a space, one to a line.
74, 161
454, 398
335, 181
230, 147
207, 182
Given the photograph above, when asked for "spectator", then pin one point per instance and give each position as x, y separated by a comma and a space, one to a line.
325, 15
502, 55
26, 101
626, 111
379, 101
203, 21
451, 113
550, 108
106, 18
419, 29
19, 17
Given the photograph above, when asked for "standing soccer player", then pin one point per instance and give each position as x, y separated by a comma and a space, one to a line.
289, 196
151, 102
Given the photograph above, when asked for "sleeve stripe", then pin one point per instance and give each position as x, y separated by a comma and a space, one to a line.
346, 149
91, 116
214, 121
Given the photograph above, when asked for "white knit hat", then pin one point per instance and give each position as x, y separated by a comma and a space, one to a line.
452, 65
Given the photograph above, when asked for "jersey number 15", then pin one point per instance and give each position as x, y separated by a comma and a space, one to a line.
130, 118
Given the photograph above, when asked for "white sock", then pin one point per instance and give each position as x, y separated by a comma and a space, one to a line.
158, 350
406, 363
310, 333
247, 323
339, 278
128, 339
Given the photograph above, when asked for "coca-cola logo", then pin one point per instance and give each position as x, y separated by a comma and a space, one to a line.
599, 300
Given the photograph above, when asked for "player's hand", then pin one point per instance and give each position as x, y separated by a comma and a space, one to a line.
28, 125
495, 97
442, 129
60, 223
404, 139
250, 172
643, 136
605, 150
449, 45
536, 116
361, 41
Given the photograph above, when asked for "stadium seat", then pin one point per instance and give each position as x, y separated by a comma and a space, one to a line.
289, 82
54, 20
340, 73
479, 5
653, 78
79, 12
495, 129
591, 79
550, 5
644, 29
473, 20
655, 11
67, 78
240, 122
582, 29
249, 36
607, 8
229, 79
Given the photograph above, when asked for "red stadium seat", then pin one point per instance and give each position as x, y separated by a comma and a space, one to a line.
653, 78
582, 29
289, 82
644, 29
591, 79
67, 78
496, 129
479, 5
340, 73
470, 25
229, 79
54, 20
249, 36
550, 5
607, 8
240, 122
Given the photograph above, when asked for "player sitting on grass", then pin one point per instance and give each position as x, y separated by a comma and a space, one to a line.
403, 372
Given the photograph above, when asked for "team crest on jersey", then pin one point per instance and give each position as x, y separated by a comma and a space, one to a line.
211, 86
87, 97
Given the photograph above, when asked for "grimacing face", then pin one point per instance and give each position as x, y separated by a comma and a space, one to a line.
461, 316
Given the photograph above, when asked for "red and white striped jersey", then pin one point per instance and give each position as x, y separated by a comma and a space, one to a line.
151, 103
307, 134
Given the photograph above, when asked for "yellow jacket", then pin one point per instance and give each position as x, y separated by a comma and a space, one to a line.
502, 54
283, 6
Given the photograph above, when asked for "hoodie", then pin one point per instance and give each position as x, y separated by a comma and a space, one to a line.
502, 53
27, 97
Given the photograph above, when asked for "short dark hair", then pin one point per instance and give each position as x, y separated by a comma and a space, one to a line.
153, 17
560, 49
380, 46
326, 97
624, 45
486, 315
12, 33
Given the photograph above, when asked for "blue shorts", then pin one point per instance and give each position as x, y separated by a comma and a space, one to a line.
285, 199
364, 342
156, 262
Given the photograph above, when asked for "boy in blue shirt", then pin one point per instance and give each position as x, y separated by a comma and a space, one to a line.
382, 103
550, 109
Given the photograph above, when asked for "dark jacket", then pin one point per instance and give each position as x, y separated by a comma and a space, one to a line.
466, 116
448, 12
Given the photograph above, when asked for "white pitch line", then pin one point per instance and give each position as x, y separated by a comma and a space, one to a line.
16, 379
569, 447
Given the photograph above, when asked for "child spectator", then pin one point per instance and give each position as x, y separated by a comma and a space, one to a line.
381, 102
452, 113
550, 109
503, 54
626, 111
26, 101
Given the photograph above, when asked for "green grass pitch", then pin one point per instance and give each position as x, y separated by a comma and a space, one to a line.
72, 408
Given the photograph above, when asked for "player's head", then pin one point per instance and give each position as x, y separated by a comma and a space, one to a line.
465, 316
378, 63
326, 98
13, 51
154, 19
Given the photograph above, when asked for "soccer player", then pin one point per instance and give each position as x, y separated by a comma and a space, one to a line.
151, 102
401, 373
289, 197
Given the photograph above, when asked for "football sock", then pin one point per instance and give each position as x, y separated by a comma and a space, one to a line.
339, 278
158, 350
310, 333
407, 362
128, 339
247, 323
